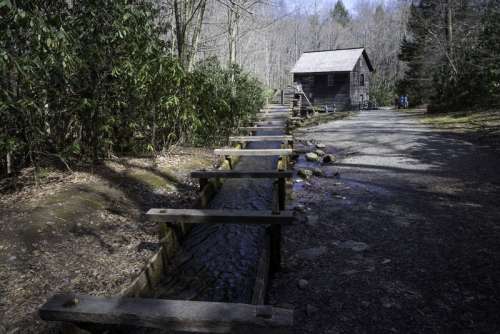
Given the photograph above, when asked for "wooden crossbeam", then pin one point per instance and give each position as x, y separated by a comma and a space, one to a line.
274, 111
272, 115
262, 128
275, 108
241, 174
245, 139
283, 122
171, 315
192, 216
253, 152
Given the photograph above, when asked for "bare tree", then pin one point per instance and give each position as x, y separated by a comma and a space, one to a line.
188, 16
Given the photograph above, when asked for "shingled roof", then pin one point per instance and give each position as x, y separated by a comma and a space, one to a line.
341, 60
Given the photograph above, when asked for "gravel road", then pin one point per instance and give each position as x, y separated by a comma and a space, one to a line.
404, 239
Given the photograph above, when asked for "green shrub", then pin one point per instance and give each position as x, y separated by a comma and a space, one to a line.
81, 83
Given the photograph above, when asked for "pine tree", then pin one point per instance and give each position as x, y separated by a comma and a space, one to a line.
418, 79
487, 57
340, 14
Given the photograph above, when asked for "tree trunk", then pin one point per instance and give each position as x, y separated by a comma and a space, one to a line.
449, 27
232, 29
196, 35
9, 164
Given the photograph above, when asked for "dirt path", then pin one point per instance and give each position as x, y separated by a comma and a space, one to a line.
404, 240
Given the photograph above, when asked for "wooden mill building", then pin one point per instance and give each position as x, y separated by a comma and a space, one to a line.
337, 78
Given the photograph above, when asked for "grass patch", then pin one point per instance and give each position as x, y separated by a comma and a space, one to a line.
153, 180
474, 121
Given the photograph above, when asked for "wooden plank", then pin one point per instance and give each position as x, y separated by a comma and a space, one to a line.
192, 216
233, 174
245, 139
276, 108
263, 128
262, 276
172, 315
265, 123
274, 112
275, 233
254, 152
279, 115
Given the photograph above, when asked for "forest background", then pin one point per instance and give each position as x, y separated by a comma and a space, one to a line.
81, 81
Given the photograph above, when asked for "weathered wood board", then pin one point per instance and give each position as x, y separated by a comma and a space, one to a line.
241, 174
275, 122
277, 116
254, 152
262, 128
192, 216
175, 315
246, 139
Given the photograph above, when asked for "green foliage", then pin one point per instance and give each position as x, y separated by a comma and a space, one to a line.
96, 79
417, 82
453, 73
218, 107
382, 92
340, 13
484, 83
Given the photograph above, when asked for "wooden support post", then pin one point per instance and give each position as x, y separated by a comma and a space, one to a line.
9, 164
162, 236
203, 183
228, 158
275, 233
282, 193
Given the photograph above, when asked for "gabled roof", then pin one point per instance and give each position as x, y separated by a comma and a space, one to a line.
341, 60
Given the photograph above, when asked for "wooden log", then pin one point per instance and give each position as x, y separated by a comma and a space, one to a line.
192, 216
246, 139
272, 174
172, 315
253, 152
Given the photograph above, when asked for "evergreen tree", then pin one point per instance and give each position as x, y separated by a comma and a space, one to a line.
418, 79
340, 14
486, 62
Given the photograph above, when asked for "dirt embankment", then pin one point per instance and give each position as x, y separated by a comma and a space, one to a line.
85, 232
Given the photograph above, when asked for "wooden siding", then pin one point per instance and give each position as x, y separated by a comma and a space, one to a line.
346, 91
315, 86
358, 92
